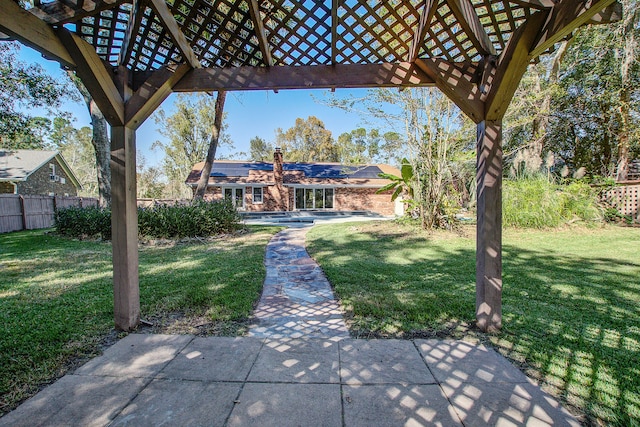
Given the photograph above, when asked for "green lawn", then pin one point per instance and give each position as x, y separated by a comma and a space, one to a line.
571, 301
56, 298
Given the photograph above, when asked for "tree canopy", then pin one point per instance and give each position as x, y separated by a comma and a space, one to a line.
25, 87
188, 131
307, 141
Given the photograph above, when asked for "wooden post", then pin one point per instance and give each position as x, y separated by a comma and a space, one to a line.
124, 228
489, 226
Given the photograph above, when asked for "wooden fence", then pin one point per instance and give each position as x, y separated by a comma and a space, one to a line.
31, 212
626, 198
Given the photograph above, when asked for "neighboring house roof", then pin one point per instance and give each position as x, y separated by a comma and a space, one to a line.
228, 171
18, 165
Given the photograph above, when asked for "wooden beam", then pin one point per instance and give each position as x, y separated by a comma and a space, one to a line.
457, 83
612, 13
334, 29
303, 77
536, 4
21, 25
150, 95
59, 12
256, 19
124, 228
426, 15
489, 226
177, 36
95, 77
468, 19
565, 17
135, 19
511, 66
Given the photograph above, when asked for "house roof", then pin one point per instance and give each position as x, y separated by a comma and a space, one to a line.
226, 170
18, 165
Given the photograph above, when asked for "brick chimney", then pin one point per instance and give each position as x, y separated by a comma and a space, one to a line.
281, 195
277, 166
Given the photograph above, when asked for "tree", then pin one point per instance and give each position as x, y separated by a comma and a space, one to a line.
25, 86
359, 146
260, 150
188, 132
75, 146
630, 33
100, 141
582, 102
428, 130
213, 146
149, 179
307, 141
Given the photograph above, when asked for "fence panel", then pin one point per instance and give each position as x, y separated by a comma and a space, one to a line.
10, 213
35, 211
80, 202
39, 211
626, 198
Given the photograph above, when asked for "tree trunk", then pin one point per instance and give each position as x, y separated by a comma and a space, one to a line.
541, 121
102, 147
632, 15
100, 142
213, 146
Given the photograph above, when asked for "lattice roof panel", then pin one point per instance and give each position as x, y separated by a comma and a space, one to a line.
148, 34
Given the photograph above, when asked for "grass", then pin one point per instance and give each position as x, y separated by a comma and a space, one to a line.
56, 298
571, 301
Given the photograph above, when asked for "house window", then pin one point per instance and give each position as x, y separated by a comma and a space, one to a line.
257, 195
314, 198
235, 194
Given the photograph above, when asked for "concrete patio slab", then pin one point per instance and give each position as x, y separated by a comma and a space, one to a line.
298, 361
76, 400
180, 403
284, 405
458, 361
137, 356
392, 405
381, 362
291, 382
222, 359
507, 404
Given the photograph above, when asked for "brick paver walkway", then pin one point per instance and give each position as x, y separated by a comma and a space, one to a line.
297, 300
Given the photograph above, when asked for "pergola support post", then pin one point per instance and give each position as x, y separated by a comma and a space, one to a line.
124, 228
489, 226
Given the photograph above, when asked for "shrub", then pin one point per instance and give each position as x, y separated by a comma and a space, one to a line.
536, 202
198, 218
83, 222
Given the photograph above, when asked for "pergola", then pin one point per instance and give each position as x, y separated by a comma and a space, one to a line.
131, 54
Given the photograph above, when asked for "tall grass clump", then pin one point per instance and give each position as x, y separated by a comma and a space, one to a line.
198, 218
532, 198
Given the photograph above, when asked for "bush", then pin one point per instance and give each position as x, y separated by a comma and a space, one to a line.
199, 218
537, 202
83, 222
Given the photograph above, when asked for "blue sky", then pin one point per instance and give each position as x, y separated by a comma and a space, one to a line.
249, 114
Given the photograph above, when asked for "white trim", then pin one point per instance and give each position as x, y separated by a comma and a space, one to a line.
233, 184
232, 187
333, 185
253, 195
295, 198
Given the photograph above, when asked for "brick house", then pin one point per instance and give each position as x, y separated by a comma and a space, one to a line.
36, 172
292, 186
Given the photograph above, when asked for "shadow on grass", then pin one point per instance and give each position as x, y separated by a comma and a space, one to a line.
56, 298
572, 322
